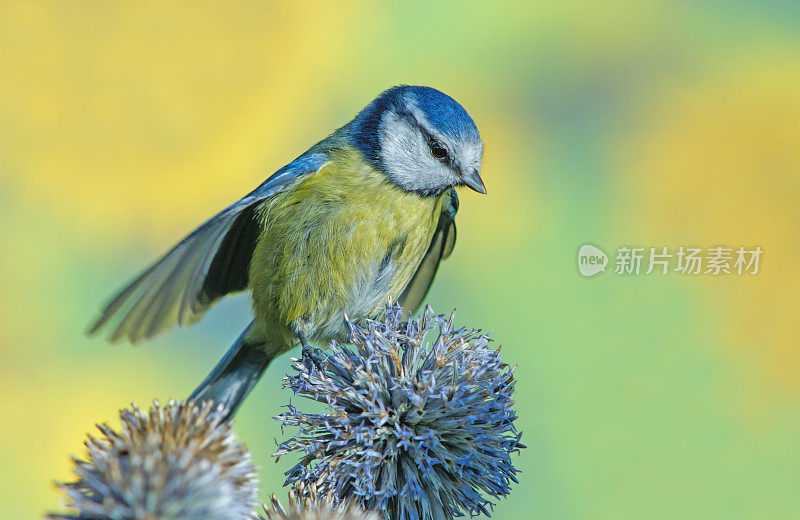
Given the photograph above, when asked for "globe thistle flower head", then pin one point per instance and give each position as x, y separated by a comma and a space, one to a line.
419, 426
306, 504
178, 462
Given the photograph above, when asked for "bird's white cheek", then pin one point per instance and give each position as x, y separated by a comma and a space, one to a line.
407, 158
404, 152
400, 145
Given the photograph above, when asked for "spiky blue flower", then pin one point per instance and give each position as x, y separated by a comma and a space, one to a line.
178, 462
419, 427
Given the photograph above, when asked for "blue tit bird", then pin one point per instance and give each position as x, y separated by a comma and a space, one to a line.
364, 216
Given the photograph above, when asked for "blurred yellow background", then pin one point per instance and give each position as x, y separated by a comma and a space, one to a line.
124, 125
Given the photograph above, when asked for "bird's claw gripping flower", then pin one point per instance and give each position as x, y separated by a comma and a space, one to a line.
180, 461
306, 504
419, 426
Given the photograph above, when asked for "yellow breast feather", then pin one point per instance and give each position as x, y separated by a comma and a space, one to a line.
339, 242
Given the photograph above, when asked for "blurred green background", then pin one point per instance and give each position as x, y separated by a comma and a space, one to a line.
124, 125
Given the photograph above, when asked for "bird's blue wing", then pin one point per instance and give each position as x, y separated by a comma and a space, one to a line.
442, 244
212, 261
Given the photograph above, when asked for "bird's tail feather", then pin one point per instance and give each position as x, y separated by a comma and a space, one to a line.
235, 375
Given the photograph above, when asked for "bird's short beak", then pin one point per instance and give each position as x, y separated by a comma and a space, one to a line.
473, 181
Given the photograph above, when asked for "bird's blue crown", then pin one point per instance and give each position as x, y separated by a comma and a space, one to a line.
444, 113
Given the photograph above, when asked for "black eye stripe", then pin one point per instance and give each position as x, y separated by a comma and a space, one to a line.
437, 150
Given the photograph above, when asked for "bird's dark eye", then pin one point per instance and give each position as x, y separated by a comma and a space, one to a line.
437, 150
